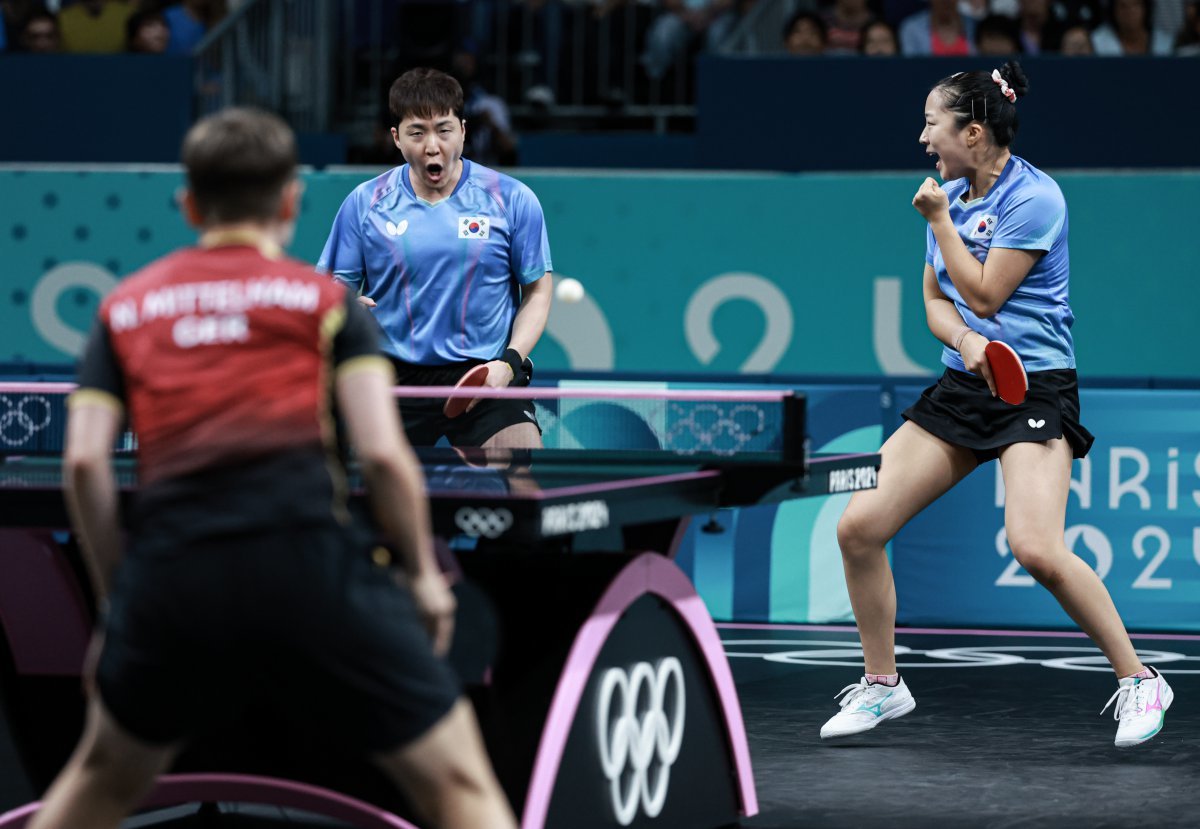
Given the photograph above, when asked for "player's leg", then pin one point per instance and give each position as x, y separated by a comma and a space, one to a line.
498, 423
1037, 480
382, 688
517, 436
917, 467
106, 778
447, 775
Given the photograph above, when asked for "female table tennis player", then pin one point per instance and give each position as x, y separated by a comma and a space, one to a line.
996, 268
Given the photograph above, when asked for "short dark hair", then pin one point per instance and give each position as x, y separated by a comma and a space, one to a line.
812, 17
999, 25
238, 161
974, 96
134, 23
425, 93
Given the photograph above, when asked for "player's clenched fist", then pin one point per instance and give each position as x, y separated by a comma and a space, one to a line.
930, 199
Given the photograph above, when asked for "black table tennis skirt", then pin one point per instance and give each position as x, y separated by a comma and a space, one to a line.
960, 409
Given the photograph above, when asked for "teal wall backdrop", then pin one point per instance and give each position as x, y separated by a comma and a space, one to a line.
808, 274
803, 274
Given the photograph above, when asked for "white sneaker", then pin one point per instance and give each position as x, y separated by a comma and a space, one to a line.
865, 706
1141, 708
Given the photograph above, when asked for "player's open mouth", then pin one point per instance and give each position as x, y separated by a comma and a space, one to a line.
434, 171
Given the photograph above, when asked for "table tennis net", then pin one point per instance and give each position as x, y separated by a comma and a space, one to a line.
722, 422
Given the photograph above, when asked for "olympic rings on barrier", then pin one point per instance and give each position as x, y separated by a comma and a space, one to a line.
639, 739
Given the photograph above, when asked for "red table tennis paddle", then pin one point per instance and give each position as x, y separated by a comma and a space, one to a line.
1007, 371
455, 406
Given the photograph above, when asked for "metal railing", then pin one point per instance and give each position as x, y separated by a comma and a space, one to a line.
760, 32
547, 59
274, 54
327, 64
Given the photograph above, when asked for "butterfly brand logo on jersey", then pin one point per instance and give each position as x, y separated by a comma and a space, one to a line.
984, 227
473, 227
394, 229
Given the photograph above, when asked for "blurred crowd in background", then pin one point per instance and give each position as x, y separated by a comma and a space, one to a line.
107, 26
668, 28
573, 64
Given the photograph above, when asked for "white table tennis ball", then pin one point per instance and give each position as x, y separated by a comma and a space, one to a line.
569, 290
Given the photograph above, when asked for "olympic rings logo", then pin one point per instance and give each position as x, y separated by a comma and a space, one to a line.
639, 737
716, 428
21, 420
483, 521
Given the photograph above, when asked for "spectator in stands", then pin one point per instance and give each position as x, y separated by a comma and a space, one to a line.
939, 30
489, 134
805, 35
535, 37
95, 26
897, 11
1128, 32
1167, 17
189, 21
879, 40
844, 26
1040, 32
556, 44
978, 9
998, 36
682, 25
40, 34
1077, 42
147, 33
1188, 42
722, 29
13, 14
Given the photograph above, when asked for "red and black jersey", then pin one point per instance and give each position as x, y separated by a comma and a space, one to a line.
224, 359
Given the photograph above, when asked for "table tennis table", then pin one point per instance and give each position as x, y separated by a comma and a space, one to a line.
598, 675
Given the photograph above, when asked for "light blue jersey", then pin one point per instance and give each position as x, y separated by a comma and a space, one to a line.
1023, 210
446, 277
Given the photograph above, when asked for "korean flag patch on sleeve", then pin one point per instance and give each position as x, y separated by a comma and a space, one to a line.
473, 227
983, 227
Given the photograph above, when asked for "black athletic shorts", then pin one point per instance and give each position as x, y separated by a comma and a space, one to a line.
424, 422
959, 409
301, 618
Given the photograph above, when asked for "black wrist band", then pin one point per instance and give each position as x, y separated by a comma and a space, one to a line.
513, 358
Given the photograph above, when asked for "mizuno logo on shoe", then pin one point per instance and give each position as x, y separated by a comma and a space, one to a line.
877, 708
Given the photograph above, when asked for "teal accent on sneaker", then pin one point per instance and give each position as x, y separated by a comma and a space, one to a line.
877, 708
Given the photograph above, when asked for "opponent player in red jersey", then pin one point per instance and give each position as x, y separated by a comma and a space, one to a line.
245, 575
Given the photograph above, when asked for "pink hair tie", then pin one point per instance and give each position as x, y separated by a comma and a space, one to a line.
1005, 89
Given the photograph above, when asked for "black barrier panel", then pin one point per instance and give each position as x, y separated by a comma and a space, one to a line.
866, 114
94, 108
649, 680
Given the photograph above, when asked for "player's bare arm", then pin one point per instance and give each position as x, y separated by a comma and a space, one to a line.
536, 298
987, 285
395, 487
947, 325
91, 488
